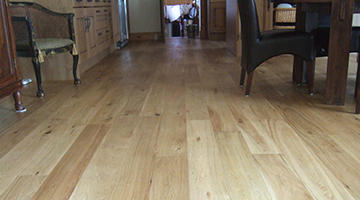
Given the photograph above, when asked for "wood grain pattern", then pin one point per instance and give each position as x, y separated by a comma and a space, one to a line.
169, 121
63, 179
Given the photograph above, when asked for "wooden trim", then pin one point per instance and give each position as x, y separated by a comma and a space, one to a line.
145, 36
204, 32
162, 20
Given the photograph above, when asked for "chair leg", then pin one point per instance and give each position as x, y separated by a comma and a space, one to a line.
35, 61
357, 90
77, 81
242, 76
310, 76
248, 83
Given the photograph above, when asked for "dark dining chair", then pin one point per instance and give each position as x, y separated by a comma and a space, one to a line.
40, 32
322, 35
258, 47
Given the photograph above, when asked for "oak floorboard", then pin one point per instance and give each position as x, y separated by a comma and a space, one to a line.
306, 164
206, 174
307, 125
63, 179
155, 100
99, 178
281, 177
102, 140
243, 178
134, 180
23, 187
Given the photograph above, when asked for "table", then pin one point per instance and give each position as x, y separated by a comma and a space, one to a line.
339, 47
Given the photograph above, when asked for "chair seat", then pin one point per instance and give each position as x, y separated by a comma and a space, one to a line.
53, 43
45, 44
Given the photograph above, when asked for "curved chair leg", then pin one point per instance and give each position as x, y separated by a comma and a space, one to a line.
77, 81
310, 76
248, 83
40, 93
242, 76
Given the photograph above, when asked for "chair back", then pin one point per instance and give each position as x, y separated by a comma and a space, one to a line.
46, 23
250, 31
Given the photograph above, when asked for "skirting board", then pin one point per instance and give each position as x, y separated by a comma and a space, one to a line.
145, 36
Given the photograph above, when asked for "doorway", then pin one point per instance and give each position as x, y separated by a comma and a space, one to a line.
197, 18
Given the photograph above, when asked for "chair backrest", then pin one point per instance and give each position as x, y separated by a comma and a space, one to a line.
46, 23
250, 31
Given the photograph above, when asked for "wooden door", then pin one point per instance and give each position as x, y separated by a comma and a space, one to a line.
80, 26
8, 72
217, 22
91, 32
10, 80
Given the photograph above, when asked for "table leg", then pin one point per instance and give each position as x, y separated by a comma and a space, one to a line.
298, 62
339, 48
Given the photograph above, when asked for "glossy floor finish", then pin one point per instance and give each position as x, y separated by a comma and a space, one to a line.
169, 121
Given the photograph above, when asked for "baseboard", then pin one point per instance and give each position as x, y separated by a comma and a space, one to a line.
145, 36
217, 36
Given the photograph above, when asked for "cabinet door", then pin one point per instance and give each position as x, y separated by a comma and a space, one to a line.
9, 76
91, 33
80, 26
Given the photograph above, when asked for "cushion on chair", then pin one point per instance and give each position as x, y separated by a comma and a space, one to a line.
53, 43
44, 44
48, 46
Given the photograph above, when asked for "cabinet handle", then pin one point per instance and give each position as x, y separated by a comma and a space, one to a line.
107, 31
105, 10
97, 11
89, 0
97, 0
100, 34
78, 0
89, 22
86, 24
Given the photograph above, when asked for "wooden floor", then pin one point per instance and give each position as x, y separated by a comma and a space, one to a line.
169, 121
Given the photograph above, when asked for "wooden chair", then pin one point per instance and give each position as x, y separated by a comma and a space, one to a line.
40, 32
258, 47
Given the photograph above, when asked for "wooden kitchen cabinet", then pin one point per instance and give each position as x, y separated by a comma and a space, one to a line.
102, 27
10, 80
85, 34
93, 27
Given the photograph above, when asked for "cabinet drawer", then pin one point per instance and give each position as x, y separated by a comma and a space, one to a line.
102, 2
103, 36
101, 17
78, 3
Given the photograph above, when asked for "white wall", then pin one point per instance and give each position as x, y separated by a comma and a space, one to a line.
144, 16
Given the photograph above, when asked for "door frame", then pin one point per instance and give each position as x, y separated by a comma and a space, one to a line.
204, 32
